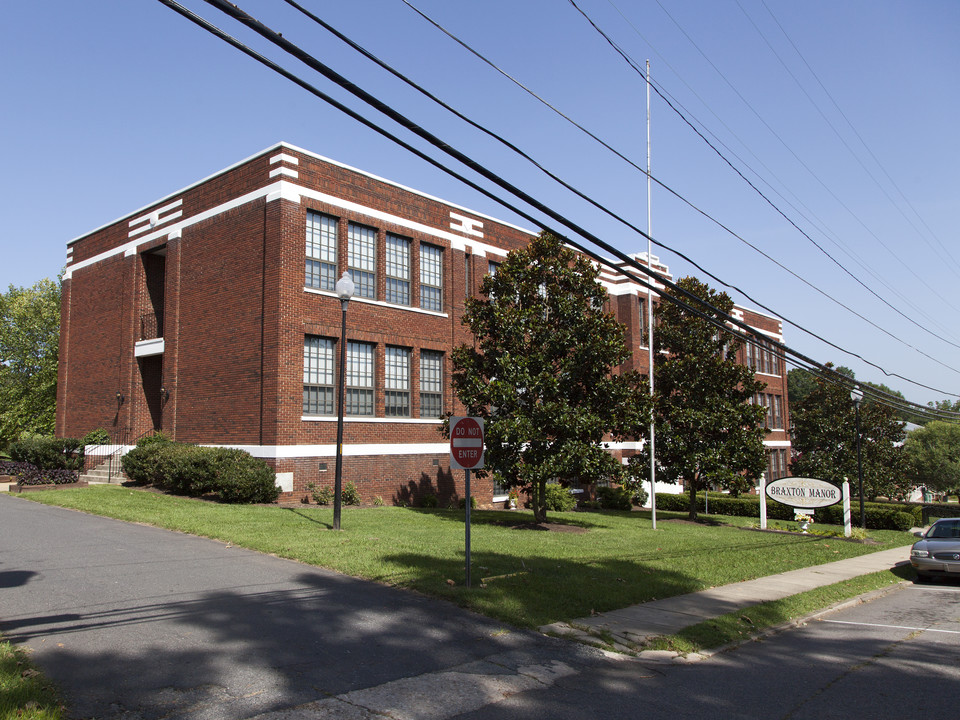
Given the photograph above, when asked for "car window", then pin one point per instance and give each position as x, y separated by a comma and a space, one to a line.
945, 530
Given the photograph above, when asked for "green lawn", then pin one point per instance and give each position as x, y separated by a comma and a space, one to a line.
24, 692
527, 577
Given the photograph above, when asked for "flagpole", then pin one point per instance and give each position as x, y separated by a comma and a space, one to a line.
653, 465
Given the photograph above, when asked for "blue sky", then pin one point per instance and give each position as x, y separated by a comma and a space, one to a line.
843, 114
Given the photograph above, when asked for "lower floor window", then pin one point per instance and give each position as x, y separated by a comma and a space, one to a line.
359, 379
317, 376
397, 382
431, 384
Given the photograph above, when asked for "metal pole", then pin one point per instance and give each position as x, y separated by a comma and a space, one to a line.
338, 478
863, 515
653, 463
467, 523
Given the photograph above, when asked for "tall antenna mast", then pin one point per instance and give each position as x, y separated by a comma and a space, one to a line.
653, 464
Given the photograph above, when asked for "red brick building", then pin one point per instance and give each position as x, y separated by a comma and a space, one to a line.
211, 315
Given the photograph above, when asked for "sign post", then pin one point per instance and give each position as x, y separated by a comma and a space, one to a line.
466, 453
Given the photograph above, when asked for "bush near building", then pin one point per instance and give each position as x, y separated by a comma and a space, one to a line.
233, 476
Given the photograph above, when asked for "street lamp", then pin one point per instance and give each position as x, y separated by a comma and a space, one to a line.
345, 288
857, 396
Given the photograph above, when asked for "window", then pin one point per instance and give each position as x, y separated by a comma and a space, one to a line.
317, 376
396, 373
431, 384
362, 259
398, 269
431, 277
467, 275
359, 379
777, 411
321, 270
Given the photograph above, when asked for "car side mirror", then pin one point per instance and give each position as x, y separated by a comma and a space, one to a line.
918, 533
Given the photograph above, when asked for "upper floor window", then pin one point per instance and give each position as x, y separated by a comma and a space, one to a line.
431, 277
321, 266
396, 383
398, 270
362, 259
317, 376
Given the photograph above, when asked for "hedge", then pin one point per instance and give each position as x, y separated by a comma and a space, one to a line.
48, 453
879, 516
234, 476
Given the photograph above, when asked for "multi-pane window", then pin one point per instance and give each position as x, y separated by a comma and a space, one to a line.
777, 411
359, 379
776, 464
431, 384
396, 382
317, 376
321, 266
467, 275
362, 259
431, 277
398, 269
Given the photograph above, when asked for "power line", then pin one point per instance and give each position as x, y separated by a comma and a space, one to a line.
708, 312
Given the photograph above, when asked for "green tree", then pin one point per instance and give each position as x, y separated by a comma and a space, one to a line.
540, 372
29, 336
933, 456
707, 432
825, 441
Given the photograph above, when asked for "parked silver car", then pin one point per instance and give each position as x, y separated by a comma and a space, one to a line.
938, 552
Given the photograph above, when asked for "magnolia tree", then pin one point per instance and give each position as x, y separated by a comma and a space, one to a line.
541, 372
707, 432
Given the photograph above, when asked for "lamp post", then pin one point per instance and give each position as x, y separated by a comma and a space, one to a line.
345, 288
857, 396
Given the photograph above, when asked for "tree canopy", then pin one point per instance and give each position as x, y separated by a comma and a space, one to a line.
541, 372
825, 436
707, 431
29, 338
933, 456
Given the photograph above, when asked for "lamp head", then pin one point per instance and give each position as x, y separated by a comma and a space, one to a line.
856, 394
345, 287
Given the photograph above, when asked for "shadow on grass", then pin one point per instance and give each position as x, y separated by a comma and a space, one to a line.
308, 518
536, 590
505, 518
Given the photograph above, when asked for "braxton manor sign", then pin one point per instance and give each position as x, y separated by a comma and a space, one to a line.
804, 492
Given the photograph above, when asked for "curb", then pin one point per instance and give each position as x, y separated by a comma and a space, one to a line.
661, 656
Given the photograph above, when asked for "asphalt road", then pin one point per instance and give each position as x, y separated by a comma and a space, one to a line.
137, 623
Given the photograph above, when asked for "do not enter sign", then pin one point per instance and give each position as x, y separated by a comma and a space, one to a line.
466, 443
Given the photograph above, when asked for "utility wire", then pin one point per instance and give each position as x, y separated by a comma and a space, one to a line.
773, 205
709, 312
370, 56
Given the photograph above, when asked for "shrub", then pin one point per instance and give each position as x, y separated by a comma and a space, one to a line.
321, 496
559, 498
614, 498
142, 463
378, 501
27, 474
640, 495
241, 478
48, 453
349, 495
462, 503
429, 501
95, 437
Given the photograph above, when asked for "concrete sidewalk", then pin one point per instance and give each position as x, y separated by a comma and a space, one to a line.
632, 625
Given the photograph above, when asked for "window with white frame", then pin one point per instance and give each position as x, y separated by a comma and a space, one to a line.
359, 379
431, 277
317, 375
321, 264
362, 259
397, 258
431, 384
396, 382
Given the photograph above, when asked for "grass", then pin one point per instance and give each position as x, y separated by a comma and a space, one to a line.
24, 692
742, 624
591, 562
